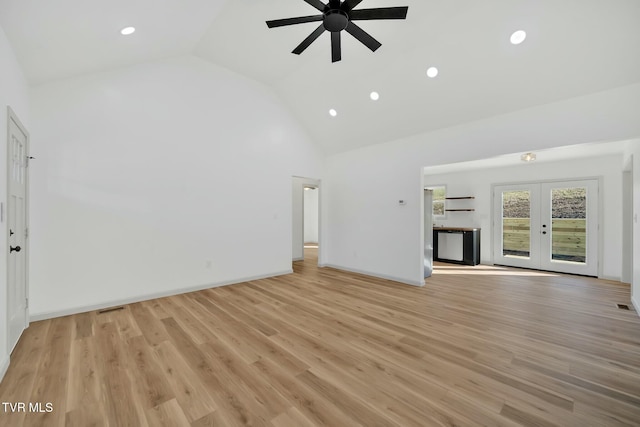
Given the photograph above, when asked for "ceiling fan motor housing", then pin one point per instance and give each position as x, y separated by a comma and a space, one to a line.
335, 20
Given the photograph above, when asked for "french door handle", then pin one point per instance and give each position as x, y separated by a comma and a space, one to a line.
17, 249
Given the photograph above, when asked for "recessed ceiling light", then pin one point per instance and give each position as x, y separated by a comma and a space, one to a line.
127, 31
528, 157
518, 37
375, 96
432, 72
333, 113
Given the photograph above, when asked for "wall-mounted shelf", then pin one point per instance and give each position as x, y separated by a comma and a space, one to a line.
460, 198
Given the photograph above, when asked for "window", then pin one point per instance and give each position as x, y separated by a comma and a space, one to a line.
439, 195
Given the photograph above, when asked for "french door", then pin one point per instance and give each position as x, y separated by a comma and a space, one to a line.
549, 226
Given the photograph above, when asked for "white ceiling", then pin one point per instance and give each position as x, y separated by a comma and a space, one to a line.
64, 38
574, 47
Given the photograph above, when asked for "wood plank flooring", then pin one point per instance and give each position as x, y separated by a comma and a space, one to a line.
477, 346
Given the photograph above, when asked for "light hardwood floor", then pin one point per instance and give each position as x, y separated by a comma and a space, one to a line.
476, 346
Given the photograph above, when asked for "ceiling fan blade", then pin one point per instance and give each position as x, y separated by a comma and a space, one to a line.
336, 50
347, 5
306, 42
293, 21
317, 4
379, 13
363, 37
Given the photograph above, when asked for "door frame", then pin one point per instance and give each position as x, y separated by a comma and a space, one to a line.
13, 117
600, 208
627, 221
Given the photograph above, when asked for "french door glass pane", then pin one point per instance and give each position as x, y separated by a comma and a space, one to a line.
569, 224
516, 223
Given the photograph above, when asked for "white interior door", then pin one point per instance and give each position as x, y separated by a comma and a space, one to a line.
548, 226
17, 304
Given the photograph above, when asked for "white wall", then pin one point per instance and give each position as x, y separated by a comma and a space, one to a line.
370, 232
14, 93
146, 183
478, 183
311, 216
633, 151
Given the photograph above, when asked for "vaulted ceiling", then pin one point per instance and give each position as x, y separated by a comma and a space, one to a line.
573, 47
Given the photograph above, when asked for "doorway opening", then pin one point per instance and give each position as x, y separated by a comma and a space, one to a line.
310, 216
306, 220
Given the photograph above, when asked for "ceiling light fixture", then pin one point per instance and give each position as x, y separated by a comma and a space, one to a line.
333, 112
374, 96
127, 31
528, 157
518, 37
432, 72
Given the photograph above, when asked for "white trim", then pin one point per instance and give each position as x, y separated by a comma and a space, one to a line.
297, 259
379, 276
4, 366
636, 305
146, 297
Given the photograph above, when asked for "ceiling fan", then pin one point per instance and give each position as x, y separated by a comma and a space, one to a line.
337, 16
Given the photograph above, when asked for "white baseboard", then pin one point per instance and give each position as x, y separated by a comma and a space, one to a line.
298, 259
636, 305
4, 366
380, 276
83, 309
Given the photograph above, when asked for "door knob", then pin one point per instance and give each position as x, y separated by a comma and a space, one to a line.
17, 249
544, 232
